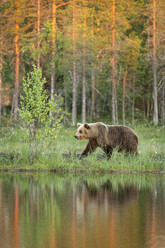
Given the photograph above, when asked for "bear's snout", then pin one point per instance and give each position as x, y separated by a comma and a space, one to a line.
76, 137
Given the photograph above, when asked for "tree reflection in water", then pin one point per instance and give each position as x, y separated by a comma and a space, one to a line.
47, 210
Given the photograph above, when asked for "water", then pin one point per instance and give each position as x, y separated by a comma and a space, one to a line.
113, 211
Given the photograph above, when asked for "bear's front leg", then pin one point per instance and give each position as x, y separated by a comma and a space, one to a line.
90, 147
108, 150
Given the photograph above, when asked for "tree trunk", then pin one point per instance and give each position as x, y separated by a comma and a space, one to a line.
148, 108
84, 89
38, 32
93, 79
93, 93
17, 53
163, 105
74, 78
52, 86
144, 109
114, 96
54, 28
154, 65
0, 85
124, 93
84, 74
133, 102
66, 94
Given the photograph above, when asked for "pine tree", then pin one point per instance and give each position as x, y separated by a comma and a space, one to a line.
17, 59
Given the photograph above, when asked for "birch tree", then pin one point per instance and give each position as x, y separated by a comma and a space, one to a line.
113, 64
154, 67
84, 65
74, 77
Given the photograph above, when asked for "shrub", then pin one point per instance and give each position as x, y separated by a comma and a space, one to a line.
40, 116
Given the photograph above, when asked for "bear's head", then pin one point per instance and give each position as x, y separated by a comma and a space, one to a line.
85, 131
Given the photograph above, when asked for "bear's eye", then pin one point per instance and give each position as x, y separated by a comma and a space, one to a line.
80, 131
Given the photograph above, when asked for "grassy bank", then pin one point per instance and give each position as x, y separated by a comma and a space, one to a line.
60, 155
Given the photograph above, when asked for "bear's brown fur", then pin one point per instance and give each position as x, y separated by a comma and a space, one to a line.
107, 137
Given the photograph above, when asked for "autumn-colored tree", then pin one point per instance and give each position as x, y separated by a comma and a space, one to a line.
52, 85
161, 58
85, 49
74, 77
54, 7
129, 59
17, 60
84, 64
114, 95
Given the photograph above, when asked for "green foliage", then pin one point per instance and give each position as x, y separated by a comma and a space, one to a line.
40, 116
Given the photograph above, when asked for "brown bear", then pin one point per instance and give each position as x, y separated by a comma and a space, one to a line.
107, 137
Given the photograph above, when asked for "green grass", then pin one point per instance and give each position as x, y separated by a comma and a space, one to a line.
151, 156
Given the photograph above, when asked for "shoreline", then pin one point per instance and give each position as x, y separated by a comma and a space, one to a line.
81, 171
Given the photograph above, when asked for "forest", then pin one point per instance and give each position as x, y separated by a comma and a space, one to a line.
105, 58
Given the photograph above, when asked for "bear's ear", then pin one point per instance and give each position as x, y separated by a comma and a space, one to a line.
86, 126
79, 124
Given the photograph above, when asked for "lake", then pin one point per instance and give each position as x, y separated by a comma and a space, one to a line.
43, 210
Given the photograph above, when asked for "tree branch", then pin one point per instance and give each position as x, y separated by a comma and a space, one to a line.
62, 4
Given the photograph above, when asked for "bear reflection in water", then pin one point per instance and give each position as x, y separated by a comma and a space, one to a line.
106, 193
103, 200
